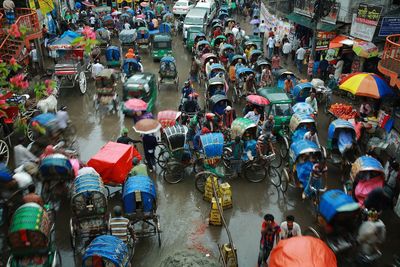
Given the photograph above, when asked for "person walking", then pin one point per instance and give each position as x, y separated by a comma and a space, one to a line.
276, 62
286, 49
271, 46
262, 29
323, 69
34, 59
270, 231
300, 54
237, 147
149, 147
289, 228
338, 68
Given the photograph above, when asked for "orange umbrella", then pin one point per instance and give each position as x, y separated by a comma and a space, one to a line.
302, 251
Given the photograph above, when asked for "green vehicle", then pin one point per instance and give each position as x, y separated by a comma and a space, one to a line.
161, 46
141, 86
191, 35
31, 238
281, 108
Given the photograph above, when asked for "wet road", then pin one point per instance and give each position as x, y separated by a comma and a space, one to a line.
181, 208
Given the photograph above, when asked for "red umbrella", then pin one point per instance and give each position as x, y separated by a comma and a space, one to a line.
147, 126
135, 104
257, 100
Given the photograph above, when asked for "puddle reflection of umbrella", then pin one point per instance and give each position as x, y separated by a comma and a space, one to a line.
135, 104
257, 100
147, 126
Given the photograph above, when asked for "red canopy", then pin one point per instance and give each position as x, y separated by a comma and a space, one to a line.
113, 162
302, 251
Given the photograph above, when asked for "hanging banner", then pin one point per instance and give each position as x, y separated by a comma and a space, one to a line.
323, 40
306, 8
390, 25
279, 27
368, 14
45, 6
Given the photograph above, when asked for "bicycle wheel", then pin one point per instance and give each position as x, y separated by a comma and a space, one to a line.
255, 172
173, 173
285, 180
226, 158
200, 180
277, 162
162, 159
274, 176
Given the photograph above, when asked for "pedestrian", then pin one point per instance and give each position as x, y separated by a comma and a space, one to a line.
9, 7
271, 46
276, 62
319, 172
97, 68
295, 45
32, 197
289, 228
338, 68
312, 136
312, 101
229, 116
300, 54
237, 148
149, 147
262, 28
194, 70
33, 54
288, 84
323, 69
270, 231
286, 49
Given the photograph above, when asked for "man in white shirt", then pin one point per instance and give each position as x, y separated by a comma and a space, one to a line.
262, 28
127, 26
300, 53
290, 228
97, 68
92, 21
253, 115
312, 101
312, 136
34, 59
286, 49
22, 155
271, 46
62, 118
208, 66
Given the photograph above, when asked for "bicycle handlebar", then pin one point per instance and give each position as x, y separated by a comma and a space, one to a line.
318, 190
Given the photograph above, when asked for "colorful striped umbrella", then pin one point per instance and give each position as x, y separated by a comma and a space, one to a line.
366, 84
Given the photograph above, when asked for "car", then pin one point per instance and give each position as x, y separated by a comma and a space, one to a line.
182, 7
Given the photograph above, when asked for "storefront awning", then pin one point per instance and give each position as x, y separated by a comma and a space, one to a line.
306, 22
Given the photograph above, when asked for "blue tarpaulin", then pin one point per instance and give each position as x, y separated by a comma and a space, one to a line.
334, 201
145, 186
107, 247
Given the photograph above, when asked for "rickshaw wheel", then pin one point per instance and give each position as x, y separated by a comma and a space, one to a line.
162, 159
277, 162
310, 231
82, 82
283, 147
200, 180
285, 180
4, 151
72, 235
173, 173
255, 172
274, 177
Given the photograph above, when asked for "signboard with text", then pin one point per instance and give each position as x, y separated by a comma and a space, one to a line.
323, 39
368, 14
390, 25
306, 8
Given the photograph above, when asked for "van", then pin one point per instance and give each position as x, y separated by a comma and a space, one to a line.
211, 8
196, 17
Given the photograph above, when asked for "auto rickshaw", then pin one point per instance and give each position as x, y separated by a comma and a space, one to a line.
191, 34
142, 86
281, 108
168, 73
301, 91
281, 76
143, 38
303, 155
366, 174
161, 46
31, 238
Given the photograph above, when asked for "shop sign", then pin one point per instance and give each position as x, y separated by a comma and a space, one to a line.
362, 31
390, 25
44, 6
306, 8
323, 40
368, 14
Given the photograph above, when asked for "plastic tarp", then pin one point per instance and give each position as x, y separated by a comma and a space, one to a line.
56, 165
299, 134
302, 147
44, 119
365, 187
113, 162
107, 247
334, 201
302, 251
127, 36
145, 186
345, 141
113, 53
303, 172
213, 144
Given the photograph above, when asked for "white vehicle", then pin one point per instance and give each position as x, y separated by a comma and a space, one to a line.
210, 7
197, 17
182, 7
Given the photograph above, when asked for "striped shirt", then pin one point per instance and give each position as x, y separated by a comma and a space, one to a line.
119, 227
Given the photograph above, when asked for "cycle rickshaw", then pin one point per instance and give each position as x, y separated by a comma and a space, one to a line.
215, 42
113, 57
143, 38
129, 68
127, 38
366, 174
226, 51
103, 37
214, 86
205, 58
44, 129
89, 208
200, 45
168, 73
199, 37
281, 76
32, 238
140, 205
106, 90
258, 68
303, 155
217, 104
254, 56
301, 91
168, 118
244, 84
107, 250
175, 157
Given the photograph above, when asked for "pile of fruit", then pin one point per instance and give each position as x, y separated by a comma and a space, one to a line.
343, 111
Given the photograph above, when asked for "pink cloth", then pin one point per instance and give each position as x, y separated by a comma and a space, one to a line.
75, 165
363, 188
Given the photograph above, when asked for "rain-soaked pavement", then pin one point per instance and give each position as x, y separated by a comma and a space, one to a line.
182, 210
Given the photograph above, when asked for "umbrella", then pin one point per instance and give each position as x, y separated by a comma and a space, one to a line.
144, 4
301, 251
257, 100
135, 104
366, 84
254, 21
116, 13
88, 4
303, 107
147, 126
365, 49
